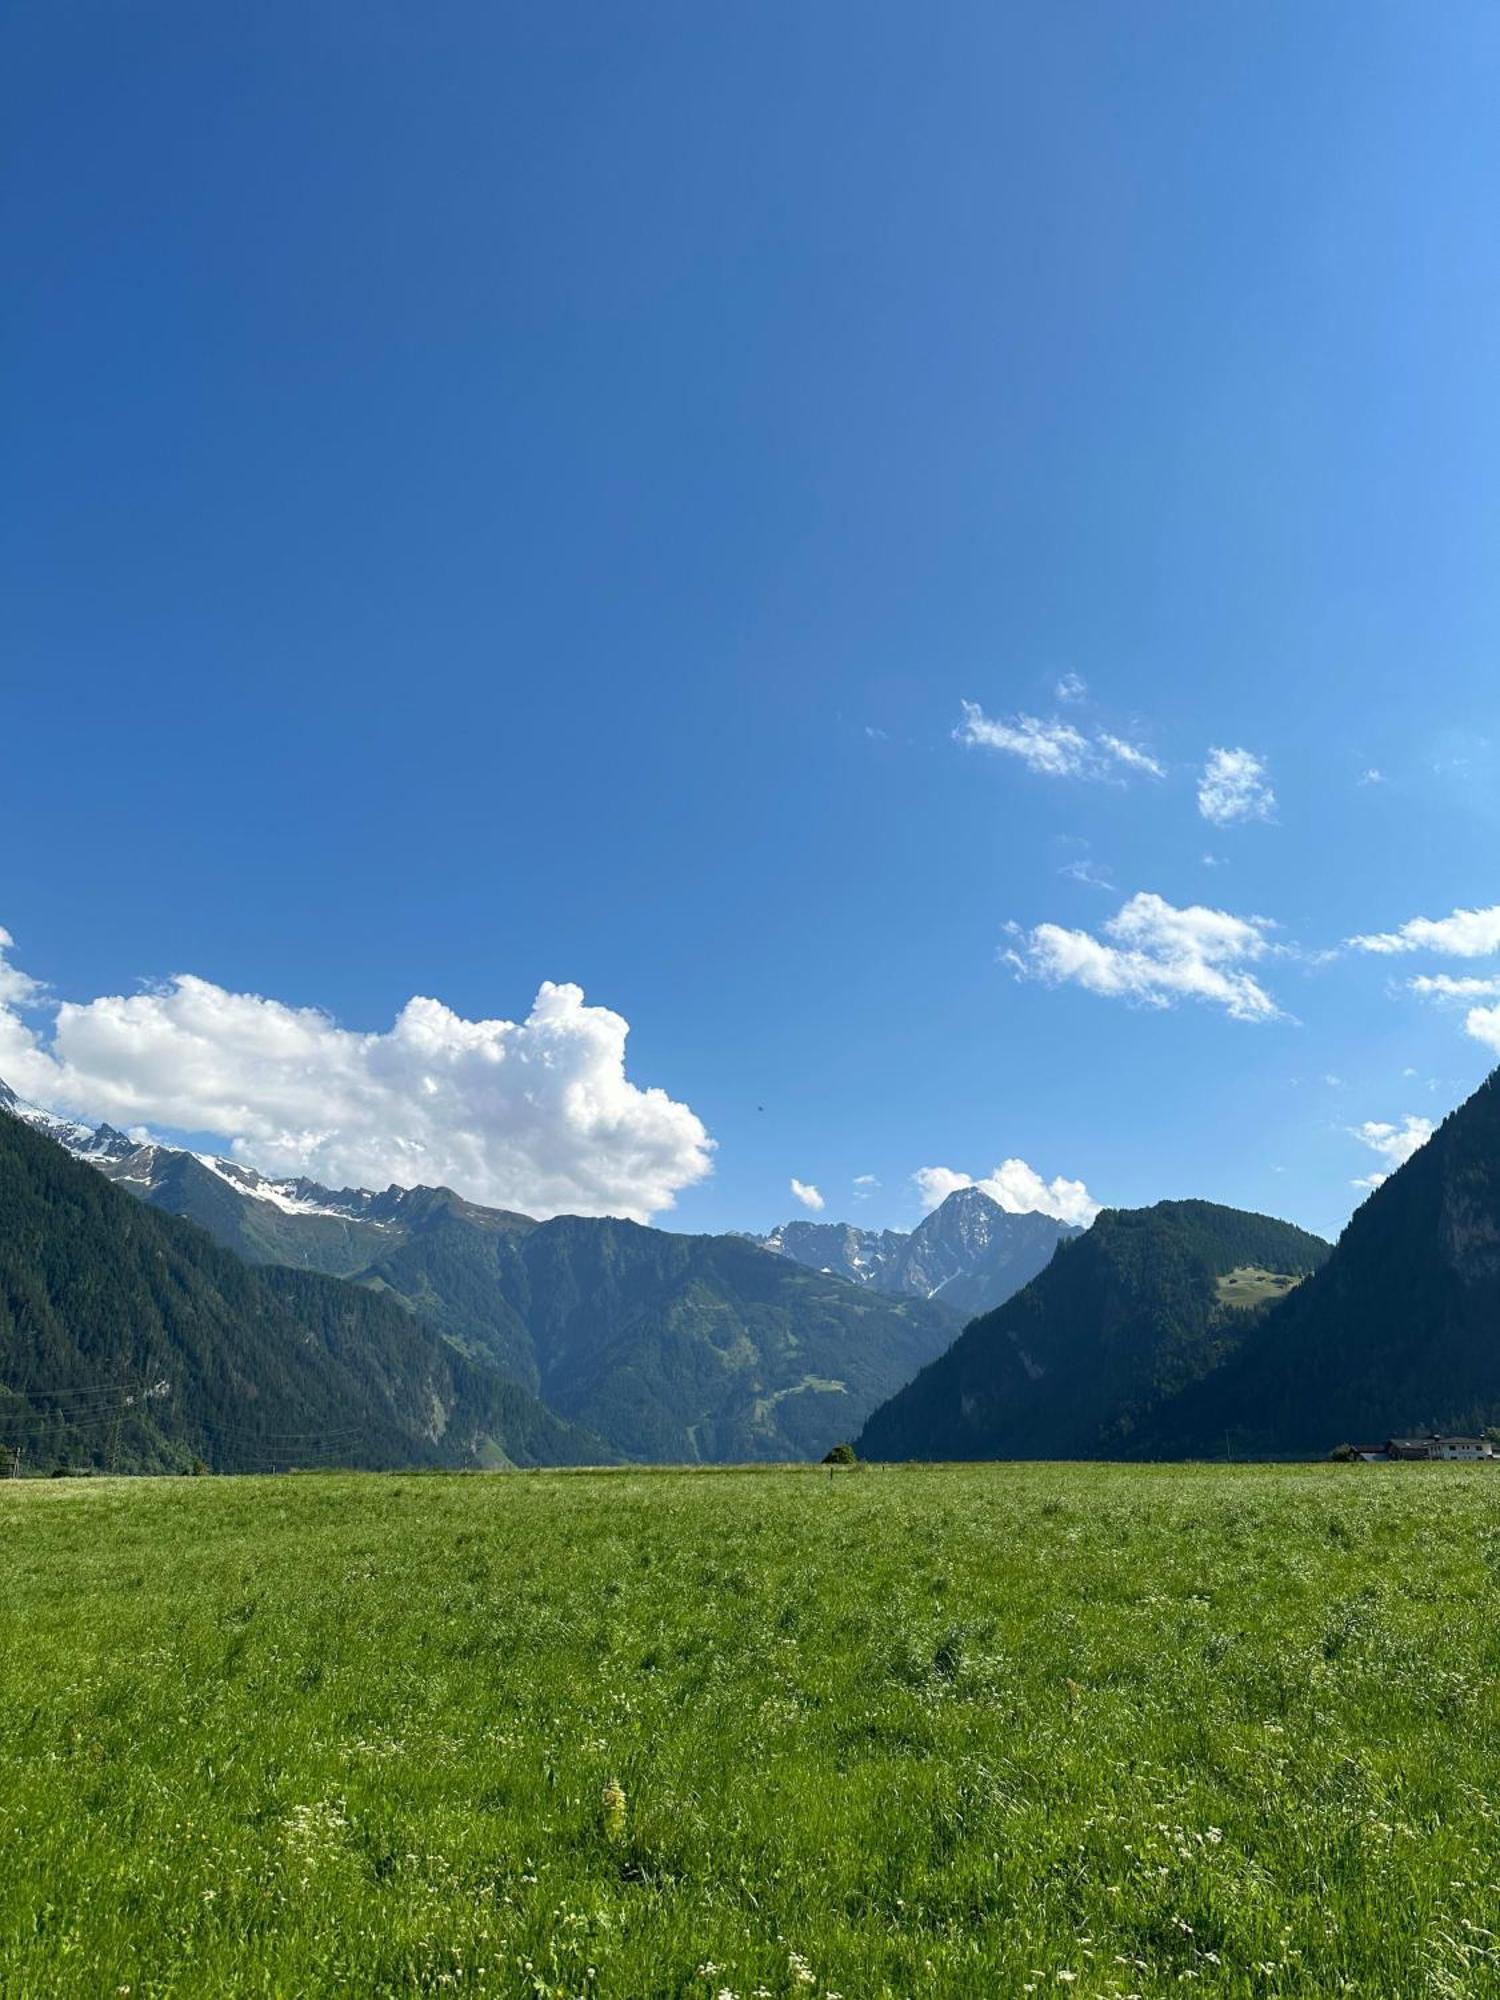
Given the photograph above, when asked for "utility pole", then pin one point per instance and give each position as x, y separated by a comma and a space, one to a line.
114, 1435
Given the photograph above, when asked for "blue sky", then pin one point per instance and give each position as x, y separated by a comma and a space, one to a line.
502, 495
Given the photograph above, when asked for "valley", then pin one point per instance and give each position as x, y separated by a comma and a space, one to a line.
293, 1324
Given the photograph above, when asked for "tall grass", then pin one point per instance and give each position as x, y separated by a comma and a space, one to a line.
958, 1731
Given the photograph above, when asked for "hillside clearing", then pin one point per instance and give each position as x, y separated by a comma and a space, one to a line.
946, 1731
1251, 1286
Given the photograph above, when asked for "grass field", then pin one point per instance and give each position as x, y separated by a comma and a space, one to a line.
969, 1731
1251, 1286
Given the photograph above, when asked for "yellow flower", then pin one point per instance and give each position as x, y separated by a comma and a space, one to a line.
613, 1802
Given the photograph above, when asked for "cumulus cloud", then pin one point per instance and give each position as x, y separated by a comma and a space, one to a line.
1464, 934
1395, 1144
1055, 749
807, 1195
1234, 786
536, 1114
1155, 955
1018, 1188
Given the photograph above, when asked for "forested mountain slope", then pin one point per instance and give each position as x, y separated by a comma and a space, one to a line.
130, 1338
671, 1346
1119, 1321
1399, 1331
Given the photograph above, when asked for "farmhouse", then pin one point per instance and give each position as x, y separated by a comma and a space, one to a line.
1434, 1445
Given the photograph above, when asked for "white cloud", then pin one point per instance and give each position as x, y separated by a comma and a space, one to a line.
16, 989
1466, 931
538, 1114
1072, 687
807, 1195
1130, 754
1018, 1188
1442, 986
1465, 934
1372, 777
1055, 749
1395, 1144
1156, 955
1084, 871
1234, 786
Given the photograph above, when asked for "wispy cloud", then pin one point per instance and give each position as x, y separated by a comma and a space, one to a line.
1464, 934
1054, 748
1130, 754
1443, 986
807, 1195
1085, 871
1234, 786
1155, 955
1072, 687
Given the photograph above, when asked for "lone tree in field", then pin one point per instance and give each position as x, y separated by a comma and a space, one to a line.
842, 1454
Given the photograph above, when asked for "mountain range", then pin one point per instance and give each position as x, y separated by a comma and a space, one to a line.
969, 1252
1186, 1330
157, 1305
661, 1345
129, 1338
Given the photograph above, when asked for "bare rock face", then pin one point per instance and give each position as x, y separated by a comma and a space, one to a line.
970, 1253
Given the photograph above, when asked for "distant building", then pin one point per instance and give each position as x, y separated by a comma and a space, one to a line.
1434, 1445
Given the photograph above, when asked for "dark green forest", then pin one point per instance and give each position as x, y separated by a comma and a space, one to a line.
128, 1338
1121, 1320
1399, 1330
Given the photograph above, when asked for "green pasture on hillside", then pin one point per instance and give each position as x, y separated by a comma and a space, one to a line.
982, 1730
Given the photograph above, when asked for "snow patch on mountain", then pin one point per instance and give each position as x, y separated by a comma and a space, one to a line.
970, 1252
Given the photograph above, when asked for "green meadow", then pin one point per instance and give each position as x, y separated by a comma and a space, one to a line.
950, 1731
